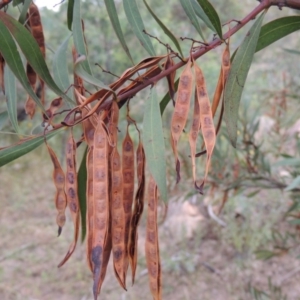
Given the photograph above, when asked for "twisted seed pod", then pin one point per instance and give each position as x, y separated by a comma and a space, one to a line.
181, 110
100, 203
60, 199
206, 121
151, 245
72, 193
128, 186
138, 208
171, 77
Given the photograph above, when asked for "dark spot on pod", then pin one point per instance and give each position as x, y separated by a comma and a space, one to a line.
151, 236
96, 256
100, 141
101, 222
70, 162
185, 80
127, 207
69, 148
116, 201
117, 237
127, 161
73, 206
56, 102
128, 146
100, 175
183, 97
71, 177
101, 206
127, 176
209, 134
205, 108
59, 178
151, 203
153, 269
207, 121
202, 92
118, 253
48, 115
71, 193
116, 219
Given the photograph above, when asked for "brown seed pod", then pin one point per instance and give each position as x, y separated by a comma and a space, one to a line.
116, 207
100, 202
151, 245
72, 194
128, 185
193, 135
138, 208
60, 199
181, 110
171, 77
206, 120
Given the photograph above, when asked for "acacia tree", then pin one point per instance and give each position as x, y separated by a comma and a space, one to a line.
100, 194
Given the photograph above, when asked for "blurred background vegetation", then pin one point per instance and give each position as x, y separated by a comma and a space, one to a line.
247, 250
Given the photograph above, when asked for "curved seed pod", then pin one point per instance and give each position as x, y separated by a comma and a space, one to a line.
128, 185
171, 77
193, 135
72, 194
106, 256
37, 32
206, 120
151, 245
100, 203
181, 110
60, 199
138, 208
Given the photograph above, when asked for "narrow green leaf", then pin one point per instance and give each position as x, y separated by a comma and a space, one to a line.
153, 140
189, 10
60, 68
11, 55
294, 184
17, 2
79, 70
201, 14
22, 17
166, 99
31, 51
11, 97
78, 35
288, 162
13, 152
82, 178
165, 29
3, 119
292, 51
277, 29
70, 14
212, 15
237, 78
113, 15
135, 20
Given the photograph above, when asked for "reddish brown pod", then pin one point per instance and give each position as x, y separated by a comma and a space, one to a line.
181, 110
152, 245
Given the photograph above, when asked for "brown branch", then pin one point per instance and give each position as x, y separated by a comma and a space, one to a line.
264, 4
